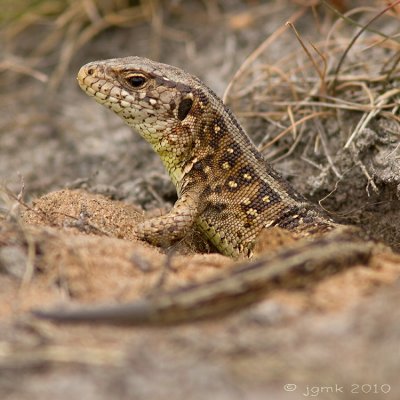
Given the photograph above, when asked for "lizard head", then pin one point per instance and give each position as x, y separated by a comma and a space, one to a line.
153, 98
162, 103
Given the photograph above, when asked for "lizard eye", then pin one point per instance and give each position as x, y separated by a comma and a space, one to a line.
136, 81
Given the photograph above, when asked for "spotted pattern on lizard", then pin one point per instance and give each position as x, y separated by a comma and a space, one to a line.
224, 186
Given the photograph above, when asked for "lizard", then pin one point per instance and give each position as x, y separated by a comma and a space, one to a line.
225, 189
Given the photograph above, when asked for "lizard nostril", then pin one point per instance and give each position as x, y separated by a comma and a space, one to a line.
90, 71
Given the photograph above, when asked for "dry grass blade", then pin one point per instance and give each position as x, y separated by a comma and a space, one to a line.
69, 25
341, 61
322, 73
259, 50
366, 118
392, 70
291, 127
346, 17
10, 64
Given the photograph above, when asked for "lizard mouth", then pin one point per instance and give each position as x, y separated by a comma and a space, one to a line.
86, 76
92, 84
92, 79
82, 74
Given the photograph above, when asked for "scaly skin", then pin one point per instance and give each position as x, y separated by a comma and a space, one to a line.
224, 187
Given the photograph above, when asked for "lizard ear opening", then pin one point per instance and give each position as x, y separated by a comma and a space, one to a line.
184, 107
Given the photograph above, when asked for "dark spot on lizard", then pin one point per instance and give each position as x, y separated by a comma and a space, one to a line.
207, 161
207, 191
165, 82
286, 217
183, 88
198, 166
291, 218
198, 169
218, 189
216, 207
184, 107
218, 121
203, 98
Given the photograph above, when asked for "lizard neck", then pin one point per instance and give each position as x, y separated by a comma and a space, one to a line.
172, 145
175, 156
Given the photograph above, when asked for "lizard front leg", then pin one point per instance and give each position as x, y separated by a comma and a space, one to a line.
168, 228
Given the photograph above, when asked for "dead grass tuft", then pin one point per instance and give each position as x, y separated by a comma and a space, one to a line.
319, 84
68, 26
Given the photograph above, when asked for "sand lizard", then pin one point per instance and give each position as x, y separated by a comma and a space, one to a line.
225, 188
